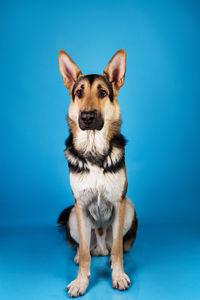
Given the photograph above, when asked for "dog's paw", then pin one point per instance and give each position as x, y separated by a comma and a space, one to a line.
120, 281
97, 251
76, 258
77, 287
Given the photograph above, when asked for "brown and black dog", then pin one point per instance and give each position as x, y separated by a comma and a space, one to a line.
102, 221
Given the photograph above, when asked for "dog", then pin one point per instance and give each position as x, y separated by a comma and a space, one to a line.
103, 220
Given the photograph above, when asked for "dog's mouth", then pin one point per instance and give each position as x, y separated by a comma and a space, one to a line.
90, 120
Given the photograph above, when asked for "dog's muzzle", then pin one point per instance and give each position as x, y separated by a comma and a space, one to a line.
90, 120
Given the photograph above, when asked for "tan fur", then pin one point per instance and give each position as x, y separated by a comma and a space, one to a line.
90, 101
116, 254
120, 280
84, 249
80, 284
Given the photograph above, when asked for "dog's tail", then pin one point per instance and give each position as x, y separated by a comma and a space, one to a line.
63, 220
64, 216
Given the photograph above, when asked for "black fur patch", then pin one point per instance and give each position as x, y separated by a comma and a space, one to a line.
130, 236
91, 79
97, 159
70, 146
119, 141
113, 168
109, 85
63, 220
75, 168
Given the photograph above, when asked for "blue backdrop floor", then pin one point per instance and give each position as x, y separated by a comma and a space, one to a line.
163, 264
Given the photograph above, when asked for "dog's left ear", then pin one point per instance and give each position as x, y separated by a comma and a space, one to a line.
68, 69
116, 68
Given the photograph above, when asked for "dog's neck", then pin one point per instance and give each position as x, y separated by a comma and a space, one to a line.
92, 142
94, 148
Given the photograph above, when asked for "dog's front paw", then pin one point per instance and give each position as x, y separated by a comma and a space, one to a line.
120, 281
77, 287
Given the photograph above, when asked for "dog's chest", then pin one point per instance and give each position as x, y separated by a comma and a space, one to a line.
95, 182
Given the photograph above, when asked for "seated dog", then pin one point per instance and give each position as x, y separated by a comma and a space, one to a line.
102, 221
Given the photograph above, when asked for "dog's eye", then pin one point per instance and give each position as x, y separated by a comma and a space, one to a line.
79, 93
102, 94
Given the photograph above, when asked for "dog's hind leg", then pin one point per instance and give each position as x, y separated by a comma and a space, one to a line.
129, 228
130, 225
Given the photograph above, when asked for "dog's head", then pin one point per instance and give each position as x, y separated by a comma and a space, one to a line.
94, 103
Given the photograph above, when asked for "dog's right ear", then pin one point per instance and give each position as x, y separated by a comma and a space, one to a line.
68, 69
116, 68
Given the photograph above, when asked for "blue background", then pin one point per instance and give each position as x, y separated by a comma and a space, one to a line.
160, 111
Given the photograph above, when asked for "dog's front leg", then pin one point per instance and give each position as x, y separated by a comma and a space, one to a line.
120, 280
78, 286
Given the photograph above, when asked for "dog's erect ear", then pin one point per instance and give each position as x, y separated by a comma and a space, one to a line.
68, 69
116, 68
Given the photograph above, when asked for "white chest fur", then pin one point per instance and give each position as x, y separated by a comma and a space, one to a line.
111, 184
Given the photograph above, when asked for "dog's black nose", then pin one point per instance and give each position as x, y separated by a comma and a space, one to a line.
88, 117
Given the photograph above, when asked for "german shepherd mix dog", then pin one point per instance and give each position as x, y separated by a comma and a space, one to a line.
102, 220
